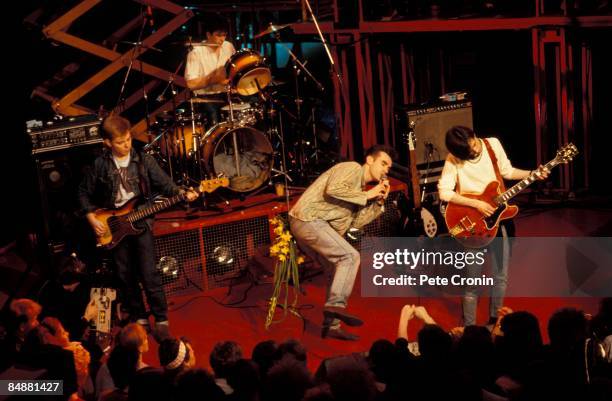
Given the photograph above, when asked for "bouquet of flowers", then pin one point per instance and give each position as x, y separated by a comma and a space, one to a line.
288, 258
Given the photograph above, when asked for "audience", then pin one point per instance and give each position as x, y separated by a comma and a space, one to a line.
222, 357
175, 357
506, 362
54, 333
133, 339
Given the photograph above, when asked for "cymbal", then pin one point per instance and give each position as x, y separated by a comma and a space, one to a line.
201, 44
206, 100
194, 44
142, 45
271, 28
277, 83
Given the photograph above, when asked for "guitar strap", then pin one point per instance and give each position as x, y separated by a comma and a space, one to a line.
495, 168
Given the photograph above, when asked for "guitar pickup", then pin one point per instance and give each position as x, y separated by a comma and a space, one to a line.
467, 224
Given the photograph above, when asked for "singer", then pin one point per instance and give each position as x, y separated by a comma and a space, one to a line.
335, 202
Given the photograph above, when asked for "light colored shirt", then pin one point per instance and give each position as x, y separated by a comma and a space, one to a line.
203, 60
338, 197
123, 196
473, 176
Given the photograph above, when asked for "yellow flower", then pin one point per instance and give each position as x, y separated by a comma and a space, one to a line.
284, 249
282, 257
299, 260
286, 236
274, 249
278, 230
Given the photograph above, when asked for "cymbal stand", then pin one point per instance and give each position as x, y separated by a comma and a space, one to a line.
281, 137
161, 98
314, 135
234, 136
279, 133
195, 142
297, 67
137, 51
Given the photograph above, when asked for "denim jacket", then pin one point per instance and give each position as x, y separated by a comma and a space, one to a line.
101, 182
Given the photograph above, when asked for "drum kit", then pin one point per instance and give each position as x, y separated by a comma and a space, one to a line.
246, 145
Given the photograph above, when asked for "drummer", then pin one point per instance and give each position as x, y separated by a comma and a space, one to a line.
205, 69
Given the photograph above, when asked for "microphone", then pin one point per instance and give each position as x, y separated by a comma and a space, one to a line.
381, 199
429, 150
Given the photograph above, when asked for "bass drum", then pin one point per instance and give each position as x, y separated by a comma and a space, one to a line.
240, 153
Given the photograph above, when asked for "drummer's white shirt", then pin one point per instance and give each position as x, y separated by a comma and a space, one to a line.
203, 60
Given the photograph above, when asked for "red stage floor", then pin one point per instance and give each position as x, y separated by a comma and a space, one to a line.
200, 318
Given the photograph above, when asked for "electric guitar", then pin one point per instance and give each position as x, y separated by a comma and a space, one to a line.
475, 230
119, 223
427, 223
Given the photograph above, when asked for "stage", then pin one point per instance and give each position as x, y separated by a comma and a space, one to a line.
202, 318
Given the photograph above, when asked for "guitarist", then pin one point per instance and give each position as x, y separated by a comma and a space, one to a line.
469, 168
116, 177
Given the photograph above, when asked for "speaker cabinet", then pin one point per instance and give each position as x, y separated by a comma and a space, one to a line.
430, 125
59, 174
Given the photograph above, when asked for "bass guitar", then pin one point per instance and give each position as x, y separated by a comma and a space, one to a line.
119, 223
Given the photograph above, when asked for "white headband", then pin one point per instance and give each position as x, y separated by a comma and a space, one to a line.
180, 358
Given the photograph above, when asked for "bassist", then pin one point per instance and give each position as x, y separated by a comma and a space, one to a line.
118, 176
471, 165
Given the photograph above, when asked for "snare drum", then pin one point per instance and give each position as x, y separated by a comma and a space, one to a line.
247, 72
244, 113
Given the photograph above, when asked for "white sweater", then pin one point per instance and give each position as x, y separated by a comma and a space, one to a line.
473, 176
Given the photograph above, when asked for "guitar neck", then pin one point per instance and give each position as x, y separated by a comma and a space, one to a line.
157, 207
414, 178
524, 183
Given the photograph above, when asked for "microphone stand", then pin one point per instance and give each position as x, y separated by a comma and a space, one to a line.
299, 64
136, 51
326, 46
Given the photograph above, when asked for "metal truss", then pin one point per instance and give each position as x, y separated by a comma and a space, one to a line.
57, 31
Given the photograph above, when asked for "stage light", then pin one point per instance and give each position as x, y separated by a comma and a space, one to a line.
223, 255
168, 268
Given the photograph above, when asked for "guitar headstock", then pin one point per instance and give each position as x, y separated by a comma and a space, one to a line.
409, 136
567, 153
213, 184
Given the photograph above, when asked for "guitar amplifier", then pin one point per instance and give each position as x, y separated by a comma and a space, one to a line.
430, 124
72, 132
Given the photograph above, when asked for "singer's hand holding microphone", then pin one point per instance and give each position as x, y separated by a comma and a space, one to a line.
380, 191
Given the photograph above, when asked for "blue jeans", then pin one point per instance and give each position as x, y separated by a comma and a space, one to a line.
322, 243
499, 269
135, 261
